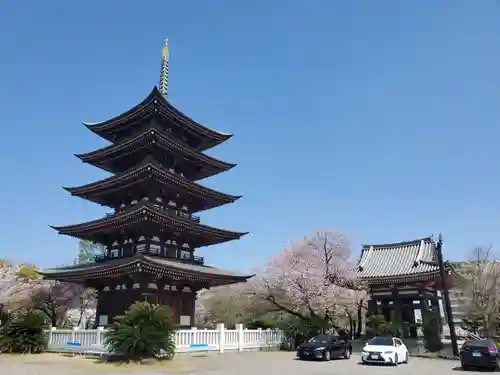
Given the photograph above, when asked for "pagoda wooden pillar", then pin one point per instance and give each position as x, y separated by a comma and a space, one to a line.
194, 297
397, 308
371, 307
386, 309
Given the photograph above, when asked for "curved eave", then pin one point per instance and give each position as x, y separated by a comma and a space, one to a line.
93, 190
56, 274
452, 272
424, 276
144, 212
215, 137
123, 266
398, 279
161, 138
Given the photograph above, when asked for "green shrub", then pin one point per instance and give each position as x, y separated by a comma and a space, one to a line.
23, 332
145, 331
262, 323
299, 330
376, 325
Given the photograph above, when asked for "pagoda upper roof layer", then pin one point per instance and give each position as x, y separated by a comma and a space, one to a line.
408, 261
116, 158
173, 269
103, 191
156, 104
144, 217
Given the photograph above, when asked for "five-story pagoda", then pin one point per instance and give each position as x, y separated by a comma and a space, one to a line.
150, 238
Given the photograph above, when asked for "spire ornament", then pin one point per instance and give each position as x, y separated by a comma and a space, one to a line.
164, 70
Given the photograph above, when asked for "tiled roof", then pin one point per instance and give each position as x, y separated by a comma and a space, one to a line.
154, 260
191, 267
106, 128
398, 260
147, 214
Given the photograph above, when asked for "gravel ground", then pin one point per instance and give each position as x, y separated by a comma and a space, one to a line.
249, 363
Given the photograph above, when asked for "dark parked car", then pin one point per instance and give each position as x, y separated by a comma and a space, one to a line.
480, 354
325, 347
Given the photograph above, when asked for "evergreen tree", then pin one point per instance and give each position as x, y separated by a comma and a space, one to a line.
87, 251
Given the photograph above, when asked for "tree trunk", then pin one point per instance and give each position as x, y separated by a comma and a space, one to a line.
360, 319
351, 325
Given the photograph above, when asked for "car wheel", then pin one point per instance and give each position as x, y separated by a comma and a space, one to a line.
396, 360
327, 355
406, 358
347, 353
497, 365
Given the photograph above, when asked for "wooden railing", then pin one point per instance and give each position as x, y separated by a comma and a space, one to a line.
186, 340
194, 259
173, 212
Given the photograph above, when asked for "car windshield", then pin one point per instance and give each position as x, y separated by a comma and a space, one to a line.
320, 339
384, 341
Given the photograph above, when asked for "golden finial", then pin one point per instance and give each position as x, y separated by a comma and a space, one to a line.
164, 70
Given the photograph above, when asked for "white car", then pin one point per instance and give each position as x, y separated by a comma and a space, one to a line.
383, 349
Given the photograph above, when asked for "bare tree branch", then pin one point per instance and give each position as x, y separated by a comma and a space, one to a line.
482, 288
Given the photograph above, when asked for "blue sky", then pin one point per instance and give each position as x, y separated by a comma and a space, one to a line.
376, 117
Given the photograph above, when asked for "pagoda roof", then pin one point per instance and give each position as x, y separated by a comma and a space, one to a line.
105, 158
159, 266
140, 218
399, 262
155, 103
203, 198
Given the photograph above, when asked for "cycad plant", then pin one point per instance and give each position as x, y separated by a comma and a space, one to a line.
145, 331
23, 332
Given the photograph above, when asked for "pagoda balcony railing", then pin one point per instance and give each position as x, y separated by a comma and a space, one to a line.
188, 259
179, 213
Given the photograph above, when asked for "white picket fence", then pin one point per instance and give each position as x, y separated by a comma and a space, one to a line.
193, 340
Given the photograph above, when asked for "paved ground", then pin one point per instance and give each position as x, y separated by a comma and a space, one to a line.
249, 363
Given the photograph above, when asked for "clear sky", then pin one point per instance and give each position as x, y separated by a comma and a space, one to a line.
380, 118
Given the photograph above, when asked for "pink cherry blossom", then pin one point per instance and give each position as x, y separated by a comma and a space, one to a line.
13, 288
315, 277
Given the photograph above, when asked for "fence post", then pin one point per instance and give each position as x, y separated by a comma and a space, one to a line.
222, 336
194, 335
73, 330
100, 331
52, 329
241, 336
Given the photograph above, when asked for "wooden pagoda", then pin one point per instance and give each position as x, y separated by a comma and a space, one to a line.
150, 238
403, 280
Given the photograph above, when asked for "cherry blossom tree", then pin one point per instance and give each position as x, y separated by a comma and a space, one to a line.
13, 287
54, 299
202, 315
223, 304
314, 279
84, 313
231, 304
22, 286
